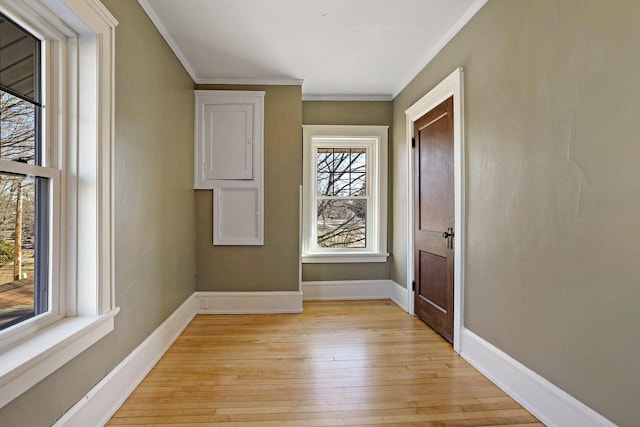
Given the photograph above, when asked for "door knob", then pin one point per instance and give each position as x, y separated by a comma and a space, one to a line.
449, 236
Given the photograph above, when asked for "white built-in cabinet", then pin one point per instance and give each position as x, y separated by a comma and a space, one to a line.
229, 153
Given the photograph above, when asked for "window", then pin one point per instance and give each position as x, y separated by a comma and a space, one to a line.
56, 233
344, 194
26, 181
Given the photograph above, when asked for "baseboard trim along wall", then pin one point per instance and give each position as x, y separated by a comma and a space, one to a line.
399, 295
104, 399
355, 290
550, 404
248, 302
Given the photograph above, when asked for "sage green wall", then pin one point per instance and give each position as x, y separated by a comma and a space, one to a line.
274, 266
552, 92
350, 113
154, 213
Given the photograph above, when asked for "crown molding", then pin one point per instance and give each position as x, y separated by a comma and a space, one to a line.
312, 97
460, 23
260, 82
167, 37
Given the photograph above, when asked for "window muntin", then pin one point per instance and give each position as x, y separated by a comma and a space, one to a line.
344, 194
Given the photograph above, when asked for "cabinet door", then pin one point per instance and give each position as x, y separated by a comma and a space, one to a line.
237, 216
228, 151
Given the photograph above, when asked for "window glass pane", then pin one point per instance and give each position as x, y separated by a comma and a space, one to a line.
341, 184
324, 160
19, 60
359, 185
18, 124
358, 160
342, 223
323, 184
341, 160
341, 171
23, 247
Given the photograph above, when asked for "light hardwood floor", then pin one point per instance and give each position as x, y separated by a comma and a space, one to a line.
338, 363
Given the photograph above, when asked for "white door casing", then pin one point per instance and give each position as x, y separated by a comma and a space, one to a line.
450, 86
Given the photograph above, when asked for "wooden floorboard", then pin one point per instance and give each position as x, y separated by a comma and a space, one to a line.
356, 363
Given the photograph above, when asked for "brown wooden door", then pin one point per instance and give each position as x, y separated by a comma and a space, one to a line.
434, 219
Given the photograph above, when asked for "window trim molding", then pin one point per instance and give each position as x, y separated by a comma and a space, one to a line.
47, 350
82, 33
374, 136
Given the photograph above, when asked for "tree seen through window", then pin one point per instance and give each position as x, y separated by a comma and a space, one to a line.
341, 197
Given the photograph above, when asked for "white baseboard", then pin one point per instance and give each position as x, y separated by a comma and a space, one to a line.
355, 290
104, 399
550, 404
248, 302
399, 295
346, 290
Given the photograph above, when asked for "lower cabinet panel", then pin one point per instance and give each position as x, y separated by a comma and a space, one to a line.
237, 218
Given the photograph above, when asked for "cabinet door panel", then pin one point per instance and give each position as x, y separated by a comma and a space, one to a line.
237, 217
228, 155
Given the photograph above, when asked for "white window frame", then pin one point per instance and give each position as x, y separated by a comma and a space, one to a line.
78, 128
51, 167
375, 140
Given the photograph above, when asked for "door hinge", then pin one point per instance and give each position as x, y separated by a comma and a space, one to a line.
413, 142
413, 285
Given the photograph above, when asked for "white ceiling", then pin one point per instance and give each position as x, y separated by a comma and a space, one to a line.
341, 49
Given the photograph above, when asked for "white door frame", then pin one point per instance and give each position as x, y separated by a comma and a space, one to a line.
451, 86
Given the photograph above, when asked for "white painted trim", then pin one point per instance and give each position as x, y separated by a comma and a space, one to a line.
104, 399
300, 238
79, 77
261, 82
221, 235
248, 302
167, 37
550, 404
399, 295
320, 258
375, 139
346, 290
312, 97
204, 98
450, 86
355, 290
459, 25
30, 361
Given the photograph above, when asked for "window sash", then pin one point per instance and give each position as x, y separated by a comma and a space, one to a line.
371, 188
54, 312
41, 231
46, 268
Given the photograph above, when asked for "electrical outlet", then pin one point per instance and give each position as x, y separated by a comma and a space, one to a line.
204, 303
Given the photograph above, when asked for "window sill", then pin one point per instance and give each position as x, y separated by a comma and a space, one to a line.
27, 362
344, 258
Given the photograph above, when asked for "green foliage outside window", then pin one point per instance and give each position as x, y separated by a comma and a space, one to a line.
6, 252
